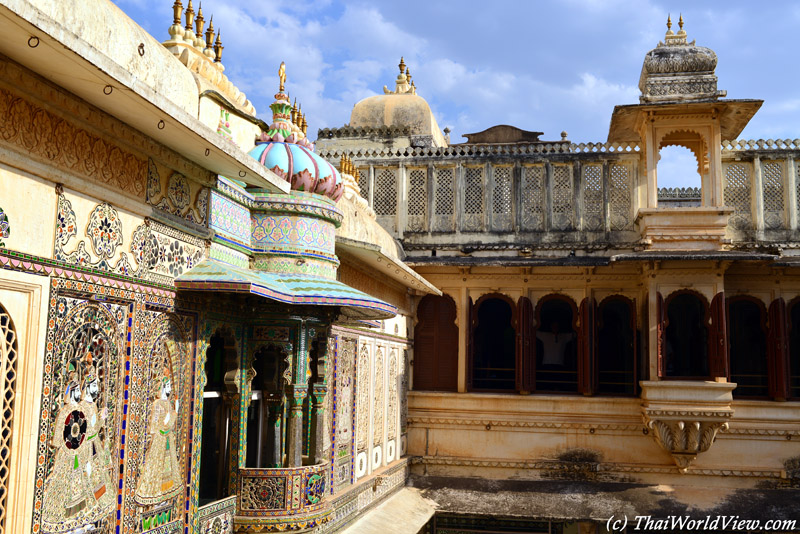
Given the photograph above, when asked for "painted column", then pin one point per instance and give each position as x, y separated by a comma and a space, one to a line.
318, 393
295, 397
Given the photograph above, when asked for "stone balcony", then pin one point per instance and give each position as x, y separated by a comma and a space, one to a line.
282, 500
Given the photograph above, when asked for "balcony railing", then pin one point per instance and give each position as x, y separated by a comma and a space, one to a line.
282, 499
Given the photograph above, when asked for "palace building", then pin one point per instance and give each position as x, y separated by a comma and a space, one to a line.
211, 324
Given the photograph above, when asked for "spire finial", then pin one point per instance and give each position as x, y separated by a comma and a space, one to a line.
199, 21
218, 48
282, 75
177, 12
402, 65
669, 22
408, 75
680, 21
210, 33
189, 16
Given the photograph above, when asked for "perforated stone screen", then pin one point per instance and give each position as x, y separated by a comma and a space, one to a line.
562, 197
737, 194
619, 197
473, 199
417, 199
385, 201
772, 180
533, 198
363, 182
444, 200
593, 197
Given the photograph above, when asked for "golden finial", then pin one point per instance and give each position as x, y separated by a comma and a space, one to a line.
402, 65
189, 16
408, 75
199, 21
218, 48
680, 21
282, 75
305, 124
210, 33
294, 112
177, 12
669, 22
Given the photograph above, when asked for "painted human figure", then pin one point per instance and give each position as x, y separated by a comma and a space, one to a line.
160, 477
67, 503
98, 460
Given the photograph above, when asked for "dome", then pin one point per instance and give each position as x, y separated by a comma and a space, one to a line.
285, 150
401, 111
679, 71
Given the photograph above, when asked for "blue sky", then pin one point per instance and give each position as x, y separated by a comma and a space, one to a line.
544, 66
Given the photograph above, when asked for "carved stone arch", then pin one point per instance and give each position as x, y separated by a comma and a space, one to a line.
496, 295
283, 364
734, 364
633, 325
706, 323
681, 136
8, 389
557, 296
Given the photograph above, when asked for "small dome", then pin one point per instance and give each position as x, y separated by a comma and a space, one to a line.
678, 71
401, 111
305, 170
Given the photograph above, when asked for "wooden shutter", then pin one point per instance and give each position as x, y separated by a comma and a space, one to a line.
587, 353
778, 351
471, 322
526, 350
436, 345
718, 339
634, 330
661, 335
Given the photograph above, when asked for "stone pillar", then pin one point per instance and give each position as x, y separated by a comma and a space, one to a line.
295, 396
318, 392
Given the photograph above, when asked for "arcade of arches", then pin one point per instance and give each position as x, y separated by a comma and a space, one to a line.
555, 345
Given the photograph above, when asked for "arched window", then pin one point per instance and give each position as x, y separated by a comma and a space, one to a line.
747, 323
794, 350
682, 163
221, 358
436, 345
8, 381
494, 359
556, 345
616, 346
264, 414
685, 344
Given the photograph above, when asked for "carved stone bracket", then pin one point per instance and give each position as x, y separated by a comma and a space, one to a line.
685, 416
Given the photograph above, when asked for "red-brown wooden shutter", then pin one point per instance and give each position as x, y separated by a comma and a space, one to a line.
587, 368
471, 320
634, 324
778, 351
718, 339
527, 346
436, 345
661, 334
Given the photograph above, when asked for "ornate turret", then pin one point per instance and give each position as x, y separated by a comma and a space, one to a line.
679, 71
285, 150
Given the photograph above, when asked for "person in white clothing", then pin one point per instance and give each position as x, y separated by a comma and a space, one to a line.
554, 345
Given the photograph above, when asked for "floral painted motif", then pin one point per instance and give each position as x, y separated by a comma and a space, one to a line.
202, 205
5, 228
153, 182
178, 191
65, 223
104, 230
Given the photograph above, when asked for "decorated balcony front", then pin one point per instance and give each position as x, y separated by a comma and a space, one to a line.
291, 499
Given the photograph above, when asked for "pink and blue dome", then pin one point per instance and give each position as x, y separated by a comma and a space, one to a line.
284, 150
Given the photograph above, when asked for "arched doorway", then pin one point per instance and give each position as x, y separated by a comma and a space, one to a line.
685, 344
494, 354
556, 345
616, 346
747, 327
265, 417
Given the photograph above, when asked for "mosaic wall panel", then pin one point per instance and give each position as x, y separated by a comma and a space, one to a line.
228, 255
158, 252
82, 409
344, 405
378, 397
287, 232
363, 398
619, 197
593, 205
737, 194
230, 219
5, 227
533, 198
392, 401
217, 518
178, 196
